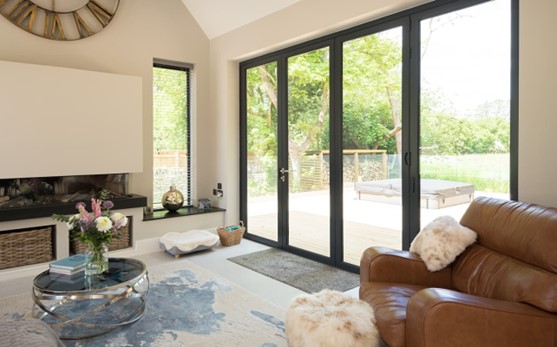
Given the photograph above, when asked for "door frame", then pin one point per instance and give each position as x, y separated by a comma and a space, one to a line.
428, 11
410, 117
283, 161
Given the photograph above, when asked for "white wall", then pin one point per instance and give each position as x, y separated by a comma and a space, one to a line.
77, 115
140, 31
313, 18
538, 102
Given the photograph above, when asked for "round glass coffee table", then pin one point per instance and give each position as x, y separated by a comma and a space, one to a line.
79, 306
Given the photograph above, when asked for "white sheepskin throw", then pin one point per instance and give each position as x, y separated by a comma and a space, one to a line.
330, 319
441, 241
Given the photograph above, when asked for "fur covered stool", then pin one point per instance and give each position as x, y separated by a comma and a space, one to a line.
330, 318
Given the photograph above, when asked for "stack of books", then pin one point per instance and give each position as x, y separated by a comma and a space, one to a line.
69, 266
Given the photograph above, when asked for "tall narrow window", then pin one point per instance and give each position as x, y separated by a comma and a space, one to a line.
171, 130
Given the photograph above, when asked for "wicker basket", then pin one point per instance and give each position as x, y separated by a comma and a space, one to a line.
231, 238
26, 247
121, 242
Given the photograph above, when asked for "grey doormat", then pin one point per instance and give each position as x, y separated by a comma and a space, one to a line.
304, 274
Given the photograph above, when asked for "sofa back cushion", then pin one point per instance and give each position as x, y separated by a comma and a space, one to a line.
483, 272
515, 256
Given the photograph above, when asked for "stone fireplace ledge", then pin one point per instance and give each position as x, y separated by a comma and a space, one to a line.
19, 213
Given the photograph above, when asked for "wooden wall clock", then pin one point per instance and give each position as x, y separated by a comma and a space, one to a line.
63, 20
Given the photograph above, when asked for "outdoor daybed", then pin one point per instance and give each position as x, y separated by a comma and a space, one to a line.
434, 193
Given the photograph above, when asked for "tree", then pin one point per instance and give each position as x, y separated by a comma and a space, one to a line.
371, 93
308, 106
371, 107
371, 77
443, 133
169, 109
262, 128
262, 110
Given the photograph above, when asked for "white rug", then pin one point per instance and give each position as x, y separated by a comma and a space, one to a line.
187, 306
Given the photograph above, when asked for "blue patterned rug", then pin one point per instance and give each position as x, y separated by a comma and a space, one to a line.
187, 306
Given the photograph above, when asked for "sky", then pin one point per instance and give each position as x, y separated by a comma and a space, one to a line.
469, 59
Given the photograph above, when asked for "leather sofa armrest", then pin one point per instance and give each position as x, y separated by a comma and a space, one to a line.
381, 264
441, 317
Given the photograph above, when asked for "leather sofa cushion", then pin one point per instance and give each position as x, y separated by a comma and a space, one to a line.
441, 317
389, 301
486, 273
523, 231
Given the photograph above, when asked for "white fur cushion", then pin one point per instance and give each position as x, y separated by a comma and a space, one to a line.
330, 319
441, 241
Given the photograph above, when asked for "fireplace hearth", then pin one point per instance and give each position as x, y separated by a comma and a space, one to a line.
24, 198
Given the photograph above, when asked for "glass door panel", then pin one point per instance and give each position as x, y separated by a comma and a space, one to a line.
372, 129
464, 108
308, 141
262, 205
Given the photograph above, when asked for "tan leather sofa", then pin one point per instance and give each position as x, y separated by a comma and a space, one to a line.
501, 291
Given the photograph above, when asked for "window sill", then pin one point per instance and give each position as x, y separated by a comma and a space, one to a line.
183, 212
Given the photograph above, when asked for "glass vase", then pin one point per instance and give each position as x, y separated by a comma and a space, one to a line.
97, 259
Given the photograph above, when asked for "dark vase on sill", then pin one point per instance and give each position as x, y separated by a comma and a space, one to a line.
172, 200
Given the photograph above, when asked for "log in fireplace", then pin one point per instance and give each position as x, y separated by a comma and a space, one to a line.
23, 198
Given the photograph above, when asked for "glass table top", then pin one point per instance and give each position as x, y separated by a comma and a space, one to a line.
121, 271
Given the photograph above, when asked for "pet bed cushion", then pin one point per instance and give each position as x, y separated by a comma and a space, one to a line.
187, 242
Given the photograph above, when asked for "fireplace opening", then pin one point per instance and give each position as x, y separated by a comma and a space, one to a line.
38, 191
23, 198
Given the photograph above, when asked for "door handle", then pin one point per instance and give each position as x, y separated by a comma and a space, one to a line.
407, 157
282, 174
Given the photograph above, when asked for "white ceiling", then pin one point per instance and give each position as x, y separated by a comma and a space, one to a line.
217, 17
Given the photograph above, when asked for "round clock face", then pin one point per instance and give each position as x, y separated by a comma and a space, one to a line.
63, 20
